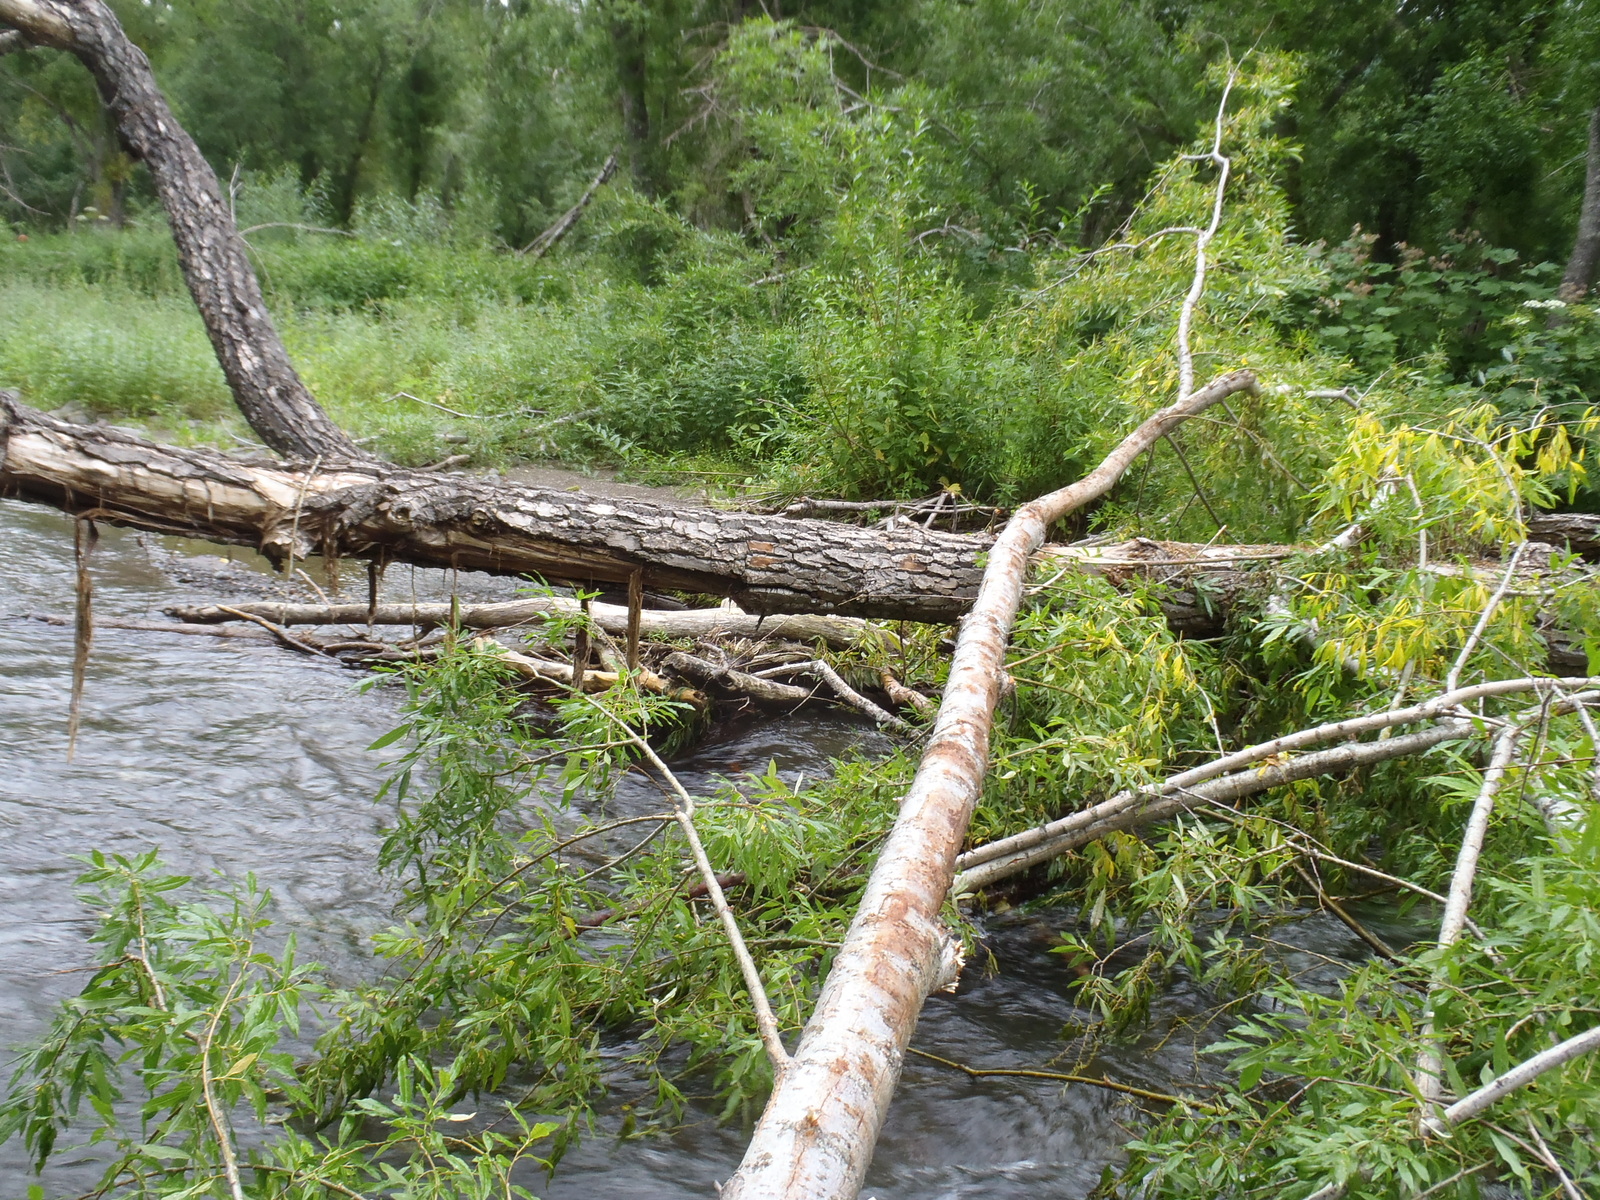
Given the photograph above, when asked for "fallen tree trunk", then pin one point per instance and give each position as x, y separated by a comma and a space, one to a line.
816, 1136
769, 564
214, 258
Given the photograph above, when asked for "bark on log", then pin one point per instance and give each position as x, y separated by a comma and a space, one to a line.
816, 1136
1579, 532
215, 263
769, 564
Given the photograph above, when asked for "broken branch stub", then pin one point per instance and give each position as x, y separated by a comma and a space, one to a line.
816, 1136
216, 266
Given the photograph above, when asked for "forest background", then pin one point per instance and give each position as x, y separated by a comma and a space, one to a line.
827, 233
869, 250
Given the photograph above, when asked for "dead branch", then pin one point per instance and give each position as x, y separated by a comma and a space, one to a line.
546, 241
752, 687
700, 623
907, 697
853, 698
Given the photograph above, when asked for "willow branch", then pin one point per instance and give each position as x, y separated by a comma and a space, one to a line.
766, 1023
1103, 819
1333, 731
1430, 1065
1519, 1076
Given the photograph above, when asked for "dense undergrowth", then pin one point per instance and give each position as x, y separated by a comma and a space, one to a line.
869, 360
852, 344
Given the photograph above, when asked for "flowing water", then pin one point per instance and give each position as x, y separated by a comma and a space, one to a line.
235, 756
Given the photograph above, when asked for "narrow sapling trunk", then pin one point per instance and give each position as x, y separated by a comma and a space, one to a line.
1579, 274
215, 265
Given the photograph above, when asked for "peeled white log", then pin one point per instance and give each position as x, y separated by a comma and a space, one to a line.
838, 632
816, 1137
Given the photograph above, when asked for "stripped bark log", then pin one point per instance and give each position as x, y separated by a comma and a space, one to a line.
214, 258
816, 1136
838, 632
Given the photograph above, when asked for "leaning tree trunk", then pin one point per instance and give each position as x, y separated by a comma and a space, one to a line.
816, 1137
264, 383
1579, 274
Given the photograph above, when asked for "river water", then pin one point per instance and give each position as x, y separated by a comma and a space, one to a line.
234, 756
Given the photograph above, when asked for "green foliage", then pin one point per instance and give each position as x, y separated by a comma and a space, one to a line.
181, 1039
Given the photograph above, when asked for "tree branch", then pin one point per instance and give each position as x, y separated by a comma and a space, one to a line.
546, 241
683, 813
1519, 1076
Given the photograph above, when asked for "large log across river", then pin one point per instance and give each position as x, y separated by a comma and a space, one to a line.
367, 509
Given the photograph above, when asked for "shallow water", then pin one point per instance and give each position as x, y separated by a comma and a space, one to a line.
235, 756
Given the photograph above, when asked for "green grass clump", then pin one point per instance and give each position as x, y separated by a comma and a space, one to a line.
111, 352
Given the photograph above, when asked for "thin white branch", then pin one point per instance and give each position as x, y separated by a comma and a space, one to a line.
853, 698
1318, 735
1567, 1186
1454, 678
683, 813
1430, 1062
1594, 748
1521, 1075
1202, 243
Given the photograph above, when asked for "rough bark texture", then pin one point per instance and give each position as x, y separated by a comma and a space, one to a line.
768, 564
816, 1137
1579, 532
264, 383
1579, 274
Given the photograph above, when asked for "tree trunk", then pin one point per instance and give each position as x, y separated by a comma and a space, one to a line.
627, 43
215, 265
816, 1137
1579, 274
769, 564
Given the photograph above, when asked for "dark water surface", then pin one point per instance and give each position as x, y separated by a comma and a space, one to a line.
235, 756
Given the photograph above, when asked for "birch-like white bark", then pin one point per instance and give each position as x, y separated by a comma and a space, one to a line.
816, 1137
